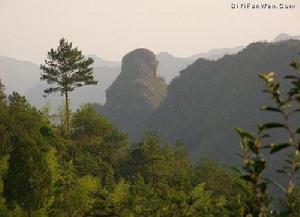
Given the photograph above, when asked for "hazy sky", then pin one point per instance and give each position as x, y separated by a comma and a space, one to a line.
111, 28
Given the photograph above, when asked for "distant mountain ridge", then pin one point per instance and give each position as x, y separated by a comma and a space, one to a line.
217, 53
18, 75
24, 76
170, 66
100, 62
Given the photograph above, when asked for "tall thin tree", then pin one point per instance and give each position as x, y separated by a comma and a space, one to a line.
66, 69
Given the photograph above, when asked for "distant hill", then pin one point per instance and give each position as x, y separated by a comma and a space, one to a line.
18, 75
169, 66
215, 54
100, 62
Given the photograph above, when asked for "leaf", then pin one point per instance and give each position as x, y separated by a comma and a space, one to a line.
259, 165
291, 77
265, 136
244, 134
272, 109
253, 147
272, 125
267, 77
297, 131
277, 147
282, 172
295, 65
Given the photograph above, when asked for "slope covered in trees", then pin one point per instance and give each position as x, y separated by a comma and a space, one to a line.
210, 98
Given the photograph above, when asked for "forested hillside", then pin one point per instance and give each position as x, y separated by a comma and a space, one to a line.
211, 98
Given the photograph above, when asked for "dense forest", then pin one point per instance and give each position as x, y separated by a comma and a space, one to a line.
77, 164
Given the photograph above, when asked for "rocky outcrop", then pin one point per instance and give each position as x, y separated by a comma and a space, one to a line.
135, 94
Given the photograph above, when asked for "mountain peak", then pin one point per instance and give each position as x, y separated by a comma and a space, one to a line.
136, 92
139, 62
164, 55
284, 37
100, 62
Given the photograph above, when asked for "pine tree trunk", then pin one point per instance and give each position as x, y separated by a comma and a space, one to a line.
67, 111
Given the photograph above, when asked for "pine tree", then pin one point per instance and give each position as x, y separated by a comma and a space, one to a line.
67, 69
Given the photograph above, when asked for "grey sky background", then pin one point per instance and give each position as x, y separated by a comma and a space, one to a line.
111, 28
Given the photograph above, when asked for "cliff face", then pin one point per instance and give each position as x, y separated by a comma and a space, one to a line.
136, 92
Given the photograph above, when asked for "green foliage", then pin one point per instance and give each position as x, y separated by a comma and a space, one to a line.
28, 180
88, 126
111, 201
67, 68
73, 194
94, 173
251, 172
293, 203
286, 106
181, 169
151, 160
202, 203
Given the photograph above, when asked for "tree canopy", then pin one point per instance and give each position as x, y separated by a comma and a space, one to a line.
66, 69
